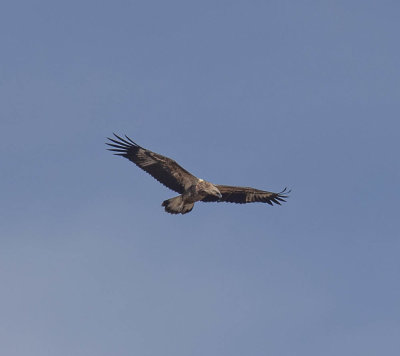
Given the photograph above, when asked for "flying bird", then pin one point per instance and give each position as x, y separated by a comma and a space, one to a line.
190, 188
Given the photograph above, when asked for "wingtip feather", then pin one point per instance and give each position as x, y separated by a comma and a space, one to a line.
125, 141
134, 143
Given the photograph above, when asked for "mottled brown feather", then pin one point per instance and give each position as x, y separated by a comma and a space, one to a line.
164, 169
243, 195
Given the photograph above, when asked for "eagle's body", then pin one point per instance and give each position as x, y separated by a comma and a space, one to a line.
184, 203
190, 188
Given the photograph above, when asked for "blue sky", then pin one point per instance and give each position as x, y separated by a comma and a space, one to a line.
303, 94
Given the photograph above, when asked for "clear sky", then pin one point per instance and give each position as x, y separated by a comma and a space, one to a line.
268, 94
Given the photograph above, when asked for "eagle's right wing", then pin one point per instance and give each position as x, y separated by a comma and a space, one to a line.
243, 195
162, 168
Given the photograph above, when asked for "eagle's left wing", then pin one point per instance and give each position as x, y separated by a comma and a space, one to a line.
243, 195
162, 168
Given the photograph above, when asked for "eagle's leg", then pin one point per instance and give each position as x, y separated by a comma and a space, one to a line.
178, 205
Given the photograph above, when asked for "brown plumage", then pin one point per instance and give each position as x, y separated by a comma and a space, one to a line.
190, 188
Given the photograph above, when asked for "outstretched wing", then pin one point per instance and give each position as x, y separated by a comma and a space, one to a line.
243, 195
162, 168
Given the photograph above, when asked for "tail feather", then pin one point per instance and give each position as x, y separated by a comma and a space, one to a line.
177, 205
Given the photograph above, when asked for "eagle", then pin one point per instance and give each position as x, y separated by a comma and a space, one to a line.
190, 188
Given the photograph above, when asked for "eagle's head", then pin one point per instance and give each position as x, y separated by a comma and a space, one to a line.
215, 191
209, 189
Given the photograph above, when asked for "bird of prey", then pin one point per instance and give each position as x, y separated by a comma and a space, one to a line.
190, 188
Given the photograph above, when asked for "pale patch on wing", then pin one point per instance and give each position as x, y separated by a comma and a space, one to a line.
249, 197
145, 160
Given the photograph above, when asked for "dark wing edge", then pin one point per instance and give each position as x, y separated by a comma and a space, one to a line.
243, 195
163, 169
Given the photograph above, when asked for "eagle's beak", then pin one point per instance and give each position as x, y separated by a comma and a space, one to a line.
219, 195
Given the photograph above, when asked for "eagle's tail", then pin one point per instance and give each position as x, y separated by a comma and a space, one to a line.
177, 205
